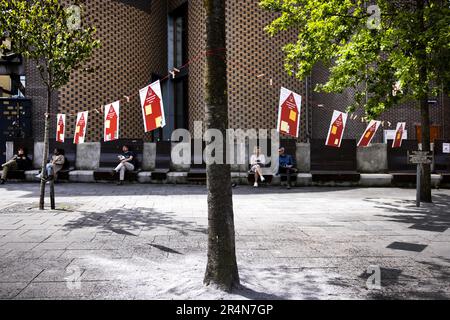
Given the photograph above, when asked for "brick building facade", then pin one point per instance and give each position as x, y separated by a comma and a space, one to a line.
141, 40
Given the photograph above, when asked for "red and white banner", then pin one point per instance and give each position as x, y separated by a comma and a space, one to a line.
80, 127
368, 135
397, 143
152, 107
60, 127
111, 127
336, 131
289, 112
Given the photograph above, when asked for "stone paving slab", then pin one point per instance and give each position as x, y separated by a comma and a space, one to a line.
150, 242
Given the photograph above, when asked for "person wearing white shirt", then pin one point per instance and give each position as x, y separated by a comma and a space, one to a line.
256, 161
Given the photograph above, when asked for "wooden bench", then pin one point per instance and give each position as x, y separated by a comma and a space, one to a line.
162, 160
28, 145
108, 159
442, 161
329, 164
402, 172
70, 154
197, 171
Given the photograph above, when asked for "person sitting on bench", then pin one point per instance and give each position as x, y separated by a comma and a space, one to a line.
286, 165
126, 163
55, 165
256, 161
20, 161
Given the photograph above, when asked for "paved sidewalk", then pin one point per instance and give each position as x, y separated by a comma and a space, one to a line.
149, 242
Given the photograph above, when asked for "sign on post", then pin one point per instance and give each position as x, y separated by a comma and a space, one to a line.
446, 147
420, 158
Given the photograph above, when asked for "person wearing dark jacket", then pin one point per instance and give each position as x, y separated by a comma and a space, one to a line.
286, 165
20, 161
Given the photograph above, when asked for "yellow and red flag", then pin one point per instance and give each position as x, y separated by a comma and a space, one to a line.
152, 107
111, 127
399, 132
336, 131
289, 113
80, 127
368, 135
60, 127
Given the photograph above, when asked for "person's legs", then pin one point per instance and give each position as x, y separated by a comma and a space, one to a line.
49, 168
258, 174
122, 172
129, 166
261, 176
281, 172
10, 165
118, 168
10, 162
288, 174
126, 166
291, 171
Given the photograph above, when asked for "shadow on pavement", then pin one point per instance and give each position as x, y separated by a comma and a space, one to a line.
130, 221
434, 217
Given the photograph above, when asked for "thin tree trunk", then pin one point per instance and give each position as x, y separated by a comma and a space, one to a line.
221, 269
425, 191
46, 147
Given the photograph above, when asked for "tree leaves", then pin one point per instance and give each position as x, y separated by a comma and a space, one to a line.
335, 33
40, 31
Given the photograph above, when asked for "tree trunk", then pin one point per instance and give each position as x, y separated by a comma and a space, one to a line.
46, 147
221, 269
425, 190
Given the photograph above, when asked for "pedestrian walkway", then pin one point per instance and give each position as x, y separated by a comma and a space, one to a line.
149, 242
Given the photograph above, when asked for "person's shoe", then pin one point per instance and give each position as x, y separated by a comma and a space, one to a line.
120, 183
233, 185
255, 185
113, 172
288, 187
262, 179
2, 181
39, 176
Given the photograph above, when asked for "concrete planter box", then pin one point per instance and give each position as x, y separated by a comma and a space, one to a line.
372, 159
88, 156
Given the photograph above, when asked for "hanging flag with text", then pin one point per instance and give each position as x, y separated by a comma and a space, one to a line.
289, 113
397, 143
152, 107
80, 127
111, 128
336, 130
60, 127
368, 135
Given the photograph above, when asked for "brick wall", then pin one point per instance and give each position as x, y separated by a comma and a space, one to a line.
36, 91
408, 112
133, 46
253, 102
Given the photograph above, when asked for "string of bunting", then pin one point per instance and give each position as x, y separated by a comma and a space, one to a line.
288, 121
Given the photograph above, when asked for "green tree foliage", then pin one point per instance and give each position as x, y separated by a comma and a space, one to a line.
55, 39
389, 51
369, 57
42, 31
